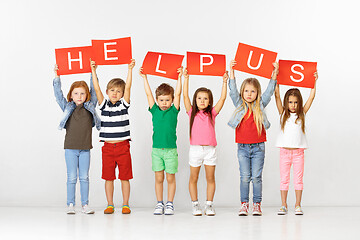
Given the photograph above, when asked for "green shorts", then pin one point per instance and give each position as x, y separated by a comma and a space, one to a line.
165, 159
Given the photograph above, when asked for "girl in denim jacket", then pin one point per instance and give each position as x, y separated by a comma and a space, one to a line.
250, 122
78, 119
292, 142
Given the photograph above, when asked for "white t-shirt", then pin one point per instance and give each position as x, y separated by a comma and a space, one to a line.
292, 136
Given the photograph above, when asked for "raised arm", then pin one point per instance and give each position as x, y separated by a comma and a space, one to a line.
177, 93
266, 97
99, 95
187, 101
147, 88
129, 81
312, 95
278, 99
59, 96
234, 93
221, 101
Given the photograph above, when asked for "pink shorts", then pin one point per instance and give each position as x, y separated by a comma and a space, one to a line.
287, 158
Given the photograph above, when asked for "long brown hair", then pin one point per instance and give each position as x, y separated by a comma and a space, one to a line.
195, 109
79, 84
254, 106
299, 110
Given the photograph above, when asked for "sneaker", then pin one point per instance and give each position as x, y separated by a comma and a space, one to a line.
282, 211
169, 208
244, 210
209, 208
196, 209
126, 209
257, 209
109, 209
85, 209
298, 211
159, 209
71, 209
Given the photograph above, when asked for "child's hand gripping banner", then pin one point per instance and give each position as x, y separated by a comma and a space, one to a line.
73, 60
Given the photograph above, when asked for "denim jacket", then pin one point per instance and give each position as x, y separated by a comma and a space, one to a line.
237, 100
69, 107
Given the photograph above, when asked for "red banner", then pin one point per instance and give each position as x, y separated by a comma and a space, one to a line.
205, 64
254, 60
162, 64
73, 60
296, 73
112, 52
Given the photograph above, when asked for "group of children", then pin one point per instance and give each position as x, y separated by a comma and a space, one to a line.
248, 120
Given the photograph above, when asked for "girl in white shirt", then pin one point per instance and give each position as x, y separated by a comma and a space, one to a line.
292, 142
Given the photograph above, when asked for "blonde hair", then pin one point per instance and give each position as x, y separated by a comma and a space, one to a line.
79, 84
254, 106
116, 82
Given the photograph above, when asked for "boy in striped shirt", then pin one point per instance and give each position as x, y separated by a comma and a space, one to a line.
115, 133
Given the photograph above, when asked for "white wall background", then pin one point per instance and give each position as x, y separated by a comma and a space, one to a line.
32, 165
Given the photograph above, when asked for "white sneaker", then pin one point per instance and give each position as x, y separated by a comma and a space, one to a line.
169, 208
209, 209
159, 209
87, 210
298, 211
71, 209
196, 209
282, 211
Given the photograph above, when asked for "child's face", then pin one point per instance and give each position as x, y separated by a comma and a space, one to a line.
164, 102
202, 100
250, 93
78, 95
293, 104
115, 94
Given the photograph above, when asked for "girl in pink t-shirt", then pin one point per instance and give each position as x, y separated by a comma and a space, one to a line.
202, 141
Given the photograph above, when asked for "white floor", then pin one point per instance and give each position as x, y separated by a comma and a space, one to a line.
52, 223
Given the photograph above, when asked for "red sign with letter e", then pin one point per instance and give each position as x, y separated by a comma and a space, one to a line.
112, 52
73, 60
296, 73
254, 60
205, 64
162, 64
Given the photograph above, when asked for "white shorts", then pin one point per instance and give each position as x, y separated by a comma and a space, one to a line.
202, 154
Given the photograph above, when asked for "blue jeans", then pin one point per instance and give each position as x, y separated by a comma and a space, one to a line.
77, 159
251, 161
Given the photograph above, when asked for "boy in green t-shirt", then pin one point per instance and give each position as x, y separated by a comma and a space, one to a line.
164, 153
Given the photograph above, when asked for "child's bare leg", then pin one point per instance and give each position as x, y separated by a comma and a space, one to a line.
298, 195
284, 194
109, 191
159, 180
170, 178
125, 188
194, 176
210, 179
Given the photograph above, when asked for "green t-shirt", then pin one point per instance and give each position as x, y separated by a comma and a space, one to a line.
164, 126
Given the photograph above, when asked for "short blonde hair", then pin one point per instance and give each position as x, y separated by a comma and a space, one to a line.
116, 82
79, 84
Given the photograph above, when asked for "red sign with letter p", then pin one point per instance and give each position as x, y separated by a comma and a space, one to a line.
254, 60
296, 73
112, 52
205, 64
73, 60
162, 64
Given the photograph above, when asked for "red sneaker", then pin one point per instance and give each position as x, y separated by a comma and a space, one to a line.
244, 210
257, 209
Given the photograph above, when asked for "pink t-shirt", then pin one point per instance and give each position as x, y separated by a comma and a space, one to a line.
203, 132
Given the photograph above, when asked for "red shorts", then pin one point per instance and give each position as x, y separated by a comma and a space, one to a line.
116, 154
